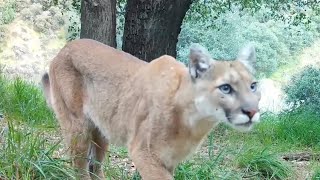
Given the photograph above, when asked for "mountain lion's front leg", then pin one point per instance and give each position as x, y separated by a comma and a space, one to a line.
149, 166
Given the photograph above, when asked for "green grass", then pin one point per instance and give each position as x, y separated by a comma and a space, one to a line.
25, 149
316, 174
295, 130
24, 102
26, 154
205, 167
260, 163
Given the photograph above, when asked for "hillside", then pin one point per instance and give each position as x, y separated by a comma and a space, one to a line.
32, 37
27, 52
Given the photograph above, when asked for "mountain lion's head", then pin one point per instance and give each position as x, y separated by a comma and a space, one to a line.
226, 90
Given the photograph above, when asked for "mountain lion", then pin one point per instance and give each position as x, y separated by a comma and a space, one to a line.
161, 111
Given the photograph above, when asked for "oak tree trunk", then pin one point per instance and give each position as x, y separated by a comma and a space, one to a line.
152, 27
98, 21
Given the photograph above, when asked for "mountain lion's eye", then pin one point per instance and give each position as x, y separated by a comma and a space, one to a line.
253, 87
226, 88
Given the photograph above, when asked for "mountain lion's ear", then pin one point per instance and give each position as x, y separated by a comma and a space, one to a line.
247, 55
199, 62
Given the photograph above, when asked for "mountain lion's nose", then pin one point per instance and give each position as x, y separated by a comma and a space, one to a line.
249, 112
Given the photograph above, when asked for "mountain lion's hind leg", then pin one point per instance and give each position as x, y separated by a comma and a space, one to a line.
78, 137
99, 147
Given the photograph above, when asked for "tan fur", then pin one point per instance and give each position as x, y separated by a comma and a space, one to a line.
159, 110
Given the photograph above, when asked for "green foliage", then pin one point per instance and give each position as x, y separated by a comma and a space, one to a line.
316, 174
73, 24
121, 4
3, 33
276, 42
207, 9
24, 102
26, 154
292, 12
45, 4
206, 166
43, 21
304, 89
7, 12
263, 164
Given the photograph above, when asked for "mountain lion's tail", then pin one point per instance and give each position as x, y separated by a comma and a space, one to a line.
46, 88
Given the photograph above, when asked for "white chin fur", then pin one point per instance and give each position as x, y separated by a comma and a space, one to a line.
240, 119
238, 123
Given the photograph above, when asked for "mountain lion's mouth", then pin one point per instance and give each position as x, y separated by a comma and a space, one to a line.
246, 124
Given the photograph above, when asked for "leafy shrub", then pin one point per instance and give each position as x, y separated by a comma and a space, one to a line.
27, 14
120, 22
41, 24
73, 25
54, 10
3, 32
43, 21
21, 4
46, 4
36, 9
57, 21
56, 18
304, 89
276, 42
7, 12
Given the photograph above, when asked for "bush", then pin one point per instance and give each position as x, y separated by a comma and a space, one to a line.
276, 42
120, 22
7, 12
304, 89
55, 18
73, 25
21, 4
43, 21
3, 32
27, 14
41, 24
36, 9
46, 4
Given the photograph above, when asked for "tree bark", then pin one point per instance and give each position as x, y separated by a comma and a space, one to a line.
152, 27
98, 21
